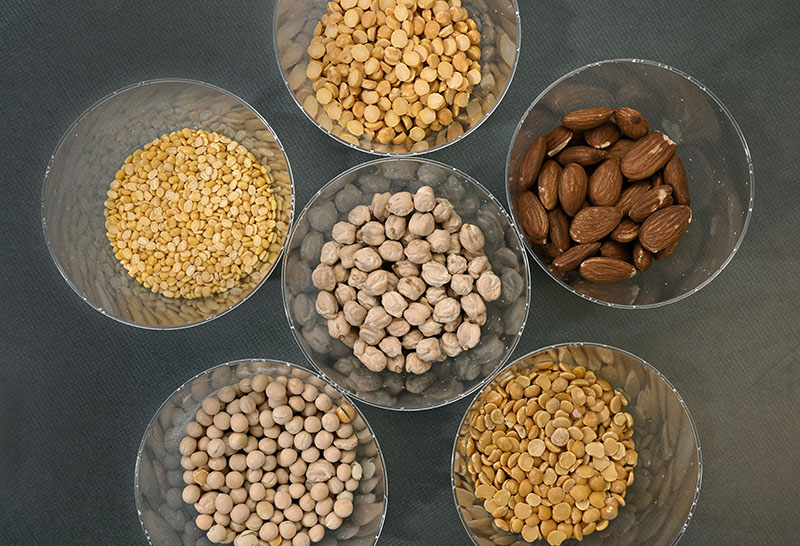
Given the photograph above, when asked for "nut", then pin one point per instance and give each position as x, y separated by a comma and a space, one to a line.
605, 183
532, 217
593, 223
532, 163
646, 156
606, 270
664, 227
572, 188
632, 124
587, 118
548, 184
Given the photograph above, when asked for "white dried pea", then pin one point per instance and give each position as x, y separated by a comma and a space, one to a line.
344, 293
366, 259
374, 359
357, 278
446, 310
326, 305
338, 327
456, 264
411, 339
396, 364
366, 301
435, 274
453, 223
442, 210
394, 303
417, 313
471, 238
371, 336
412, 287
372, 233
421, 224
430, 328
377, 283
478, 265
391, 346
404, 269
359, 216
473, 305
346, 255
461, 284
329, 254
391, 251
449, 344
398, 327
415, 365
354, 313
401, 204
488, 286
439, 240
428, 349
455, 245
395, 227
435, 294
469, 335
380, 201
418, 251
344, 233
323, 278
424, 199
340, 273
377, 318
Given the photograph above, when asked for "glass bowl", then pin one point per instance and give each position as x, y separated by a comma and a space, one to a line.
446, 381
498, 22
168, 521
713, 150
664, 493
84, 164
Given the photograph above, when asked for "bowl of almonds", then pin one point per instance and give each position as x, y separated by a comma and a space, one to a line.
167, 203
631, 183
257, 452
405, 283
577, 442
397, 77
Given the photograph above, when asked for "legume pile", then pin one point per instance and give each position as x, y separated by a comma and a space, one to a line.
191, 214
396, 70
270, 459
551, 452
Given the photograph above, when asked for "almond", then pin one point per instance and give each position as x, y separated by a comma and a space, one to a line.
667, 252
587, 118
626, 231
531, 163
605, 184
572, 188
532, 217
548, 250
573, 257
646, 156
675, 176
557, 140
631, 123
656, 198
620, 251
631, 194
664, 227
642, 258
593, 223
603, 136
548, 184
559, 229
606, 270
657, 179
619, 148
582, 155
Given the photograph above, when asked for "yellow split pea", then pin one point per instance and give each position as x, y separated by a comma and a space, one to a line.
191, 214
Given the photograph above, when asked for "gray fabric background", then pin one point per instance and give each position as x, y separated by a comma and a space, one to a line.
77, 389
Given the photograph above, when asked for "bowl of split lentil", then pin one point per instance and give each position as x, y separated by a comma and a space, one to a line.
256, 452
397, 77
167, 203
577, 442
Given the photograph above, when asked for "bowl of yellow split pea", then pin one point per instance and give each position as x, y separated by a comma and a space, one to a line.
397, 77
167, 203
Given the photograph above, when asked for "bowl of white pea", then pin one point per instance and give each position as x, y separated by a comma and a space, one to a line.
256, 452
401, 372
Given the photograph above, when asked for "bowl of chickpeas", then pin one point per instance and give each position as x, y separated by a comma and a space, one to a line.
577, 441
397, 77
257, 452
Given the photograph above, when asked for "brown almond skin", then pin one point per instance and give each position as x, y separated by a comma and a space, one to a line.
586, 118
655, 198
582, 155
548, 184
646, 156
532, 217
664, 227
626, 231
532, 163
620, 251
593, 223
603, 136
642, 258
675, 176
632, 124
573, 257
619, 148
558, 139
605, 183
572, 187
657, 179
606, 270
631, 194
667, 252
558, 232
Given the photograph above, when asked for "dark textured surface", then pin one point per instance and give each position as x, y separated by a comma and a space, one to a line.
78, 389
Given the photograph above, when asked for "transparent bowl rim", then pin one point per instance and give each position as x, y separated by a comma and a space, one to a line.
65, 137
644, 363
408, 154
526, 264
136, 491
731, 120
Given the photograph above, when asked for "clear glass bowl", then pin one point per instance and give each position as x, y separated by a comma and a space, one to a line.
446, 381
158, 479
92, 151
498, 21
712, 148
663, 496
